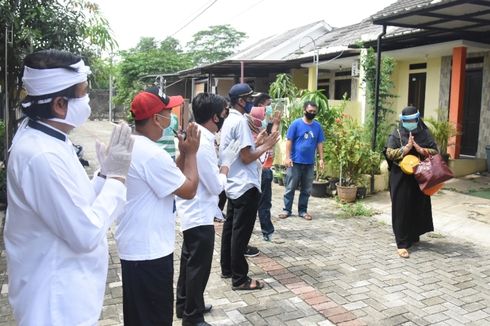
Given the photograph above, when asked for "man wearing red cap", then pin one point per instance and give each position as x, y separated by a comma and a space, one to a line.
145, 234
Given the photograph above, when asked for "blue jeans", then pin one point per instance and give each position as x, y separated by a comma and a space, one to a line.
302, 174
265, 203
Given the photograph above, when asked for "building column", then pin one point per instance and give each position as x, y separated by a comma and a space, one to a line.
456, 98
312, 82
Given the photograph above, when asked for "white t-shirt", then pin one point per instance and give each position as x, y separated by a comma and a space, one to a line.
55, 232
146, 230
241, 177
202, 208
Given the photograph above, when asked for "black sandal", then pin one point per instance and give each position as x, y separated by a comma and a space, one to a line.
248, 285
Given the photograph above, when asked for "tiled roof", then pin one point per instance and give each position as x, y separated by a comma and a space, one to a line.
279, 46
402, 6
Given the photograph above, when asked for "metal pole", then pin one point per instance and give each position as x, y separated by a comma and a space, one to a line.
316, 56
242, 68
110, 97
376, 96
316, 63
6, 113
110, 92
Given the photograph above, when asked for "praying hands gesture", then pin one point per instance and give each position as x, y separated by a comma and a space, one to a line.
190, 143
412, 144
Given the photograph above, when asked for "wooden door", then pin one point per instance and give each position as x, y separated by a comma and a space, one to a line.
471, 111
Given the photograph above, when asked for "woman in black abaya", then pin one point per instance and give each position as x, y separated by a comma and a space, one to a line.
411, 210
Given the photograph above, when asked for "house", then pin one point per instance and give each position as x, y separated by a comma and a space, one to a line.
442, 54
443, 61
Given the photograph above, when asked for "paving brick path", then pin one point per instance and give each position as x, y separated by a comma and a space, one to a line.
333, 270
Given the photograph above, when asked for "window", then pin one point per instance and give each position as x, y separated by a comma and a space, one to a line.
342, 86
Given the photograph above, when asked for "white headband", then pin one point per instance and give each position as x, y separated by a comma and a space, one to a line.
47, 81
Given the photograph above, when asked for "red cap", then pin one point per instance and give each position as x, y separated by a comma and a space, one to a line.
146, 104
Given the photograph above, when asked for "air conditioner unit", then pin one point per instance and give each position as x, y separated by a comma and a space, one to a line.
355, 69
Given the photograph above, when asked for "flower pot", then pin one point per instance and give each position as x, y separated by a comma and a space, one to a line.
347, 194
319, 188
280, 181
361, 192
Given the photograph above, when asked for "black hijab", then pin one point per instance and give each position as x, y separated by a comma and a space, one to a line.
421, 134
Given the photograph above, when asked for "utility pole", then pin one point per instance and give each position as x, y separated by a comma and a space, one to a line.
9, 35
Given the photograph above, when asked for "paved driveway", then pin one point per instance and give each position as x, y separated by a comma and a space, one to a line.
330, 270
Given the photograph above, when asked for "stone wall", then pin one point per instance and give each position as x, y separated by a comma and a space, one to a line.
484, 132
99, 102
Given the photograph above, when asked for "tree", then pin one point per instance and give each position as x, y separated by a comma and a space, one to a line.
214, 44
75, 25
147, 58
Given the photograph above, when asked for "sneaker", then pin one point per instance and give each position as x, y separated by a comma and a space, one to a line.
251, 251
267, 237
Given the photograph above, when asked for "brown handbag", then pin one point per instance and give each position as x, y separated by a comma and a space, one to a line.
431, 172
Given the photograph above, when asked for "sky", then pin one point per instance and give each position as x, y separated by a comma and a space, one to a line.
130, 21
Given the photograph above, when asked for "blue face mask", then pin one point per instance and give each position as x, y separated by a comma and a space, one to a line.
409, 125
268, 110
248, 107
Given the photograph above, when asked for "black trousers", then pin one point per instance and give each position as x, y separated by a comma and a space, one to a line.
148, 291
237, 229
195, 266
222, 200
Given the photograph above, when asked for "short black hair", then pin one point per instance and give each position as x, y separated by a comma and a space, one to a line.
309, 103
261, 98
48, 59
206, 105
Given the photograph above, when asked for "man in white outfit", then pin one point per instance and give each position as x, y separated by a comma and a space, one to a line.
57, 219
145, 233
197, 214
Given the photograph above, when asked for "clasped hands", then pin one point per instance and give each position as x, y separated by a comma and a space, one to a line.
412, 144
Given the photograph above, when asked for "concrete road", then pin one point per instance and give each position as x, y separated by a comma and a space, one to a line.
335, 270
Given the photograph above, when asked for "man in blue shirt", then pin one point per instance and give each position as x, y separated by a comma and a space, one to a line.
304, 138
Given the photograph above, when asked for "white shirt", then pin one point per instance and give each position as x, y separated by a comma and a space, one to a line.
241, 177
146, 230
55, 232
202, 208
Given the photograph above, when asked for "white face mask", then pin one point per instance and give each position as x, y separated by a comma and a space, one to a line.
78, 111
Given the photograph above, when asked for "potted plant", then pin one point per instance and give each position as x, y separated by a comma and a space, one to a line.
442, 130
319, 186
348, 152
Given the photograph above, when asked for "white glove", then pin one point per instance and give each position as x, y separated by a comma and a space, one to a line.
118, 154
100, 149
230, 153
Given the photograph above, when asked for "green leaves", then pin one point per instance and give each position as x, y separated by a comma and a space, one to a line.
214, 44
441, 129
148, 58
385, 96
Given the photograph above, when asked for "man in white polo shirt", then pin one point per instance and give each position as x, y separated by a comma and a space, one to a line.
145, 234
197, 215
242, 188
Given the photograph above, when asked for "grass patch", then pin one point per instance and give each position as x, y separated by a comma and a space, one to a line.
482, 193
435, 235
356, 209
